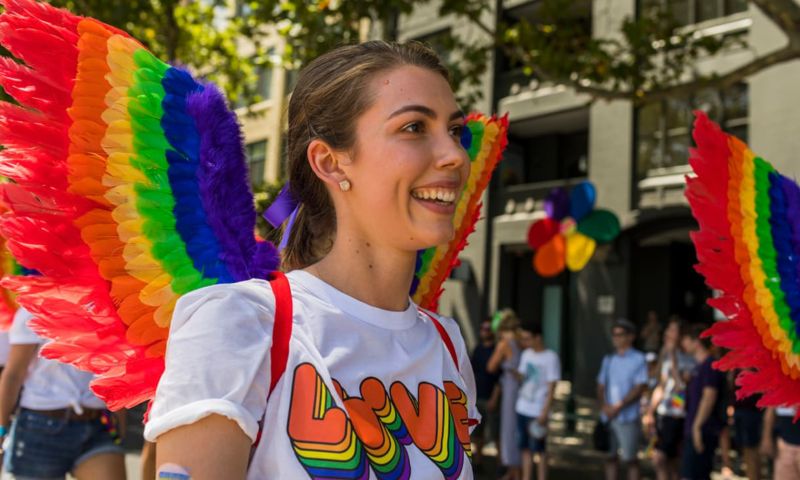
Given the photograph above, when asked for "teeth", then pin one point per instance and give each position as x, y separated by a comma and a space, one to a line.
438, 194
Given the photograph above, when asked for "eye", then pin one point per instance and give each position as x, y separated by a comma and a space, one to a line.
457, 130
414, 127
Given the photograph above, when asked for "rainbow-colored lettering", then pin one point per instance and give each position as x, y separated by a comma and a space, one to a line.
374, 430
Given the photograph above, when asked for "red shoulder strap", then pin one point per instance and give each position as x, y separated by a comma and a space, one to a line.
281, 334
281, 328
445, 338
448, 343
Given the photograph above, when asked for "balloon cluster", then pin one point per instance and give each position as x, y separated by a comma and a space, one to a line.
569, 234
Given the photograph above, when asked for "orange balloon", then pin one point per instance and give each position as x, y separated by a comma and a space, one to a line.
549, 260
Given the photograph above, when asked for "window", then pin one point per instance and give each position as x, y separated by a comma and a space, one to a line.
544, 158
262, 88
664, 128
264, 82
688, 12
512, 75
256, 154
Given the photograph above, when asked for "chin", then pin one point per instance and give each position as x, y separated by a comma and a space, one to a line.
435, 237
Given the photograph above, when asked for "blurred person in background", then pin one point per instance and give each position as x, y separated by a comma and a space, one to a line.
785, 449
60, 427
664, 414
620, 384
705, 407
747, 425
505, 360
538, 372
488, 392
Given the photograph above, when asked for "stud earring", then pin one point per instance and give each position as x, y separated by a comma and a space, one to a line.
344, 185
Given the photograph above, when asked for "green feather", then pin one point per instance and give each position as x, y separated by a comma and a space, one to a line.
154, 200
766, 249
477, 128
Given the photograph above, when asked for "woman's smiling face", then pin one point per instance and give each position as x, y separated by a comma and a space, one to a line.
408, 167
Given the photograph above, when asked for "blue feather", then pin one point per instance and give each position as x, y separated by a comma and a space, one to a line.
184, 161
785, 224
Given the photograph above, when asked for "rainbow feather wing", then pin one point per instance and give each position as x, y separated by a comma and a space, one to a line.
488, 138
748, 248
131, 190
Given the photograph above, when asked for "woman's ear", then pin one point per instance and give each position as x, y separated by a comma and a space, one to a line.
326, 162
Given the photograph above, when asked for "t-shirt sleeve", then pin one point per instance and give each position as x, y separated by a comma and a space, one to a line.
217, 359
554, 372
713, 378
20, 332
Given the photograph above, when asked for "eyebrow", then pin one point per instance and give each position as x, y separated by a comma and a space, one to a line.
427, 111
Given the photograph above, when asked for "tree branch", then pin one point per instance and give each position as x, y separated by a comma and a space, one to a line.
785, 13
721, 81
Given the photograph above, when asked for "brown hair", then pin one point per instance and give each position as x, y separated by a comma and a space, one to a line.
331, 93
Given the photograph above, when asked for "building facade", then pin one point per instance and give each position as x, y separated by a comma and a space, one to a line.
263, 122
637, 159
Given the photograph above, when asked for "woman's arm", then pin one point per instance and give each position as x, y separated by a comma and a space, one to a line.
213, 447
14, 373
498, 356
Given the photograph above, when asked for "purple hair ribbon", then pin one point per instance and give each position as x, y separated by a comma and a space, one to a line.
284, 206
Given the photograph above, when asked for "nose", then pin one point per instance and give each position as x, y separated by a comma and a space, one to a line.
450, 155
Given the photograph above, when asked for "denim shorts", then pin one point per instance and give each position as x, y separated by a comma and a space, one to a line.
625, 438
45, 447
526, 441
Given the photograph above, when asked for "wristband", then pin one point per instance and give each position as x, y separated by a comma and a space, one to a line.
3, 431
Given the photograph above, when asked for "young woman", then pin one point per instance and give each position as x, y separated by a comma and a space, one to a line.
665, 413
61, 427
372, 387
505, 360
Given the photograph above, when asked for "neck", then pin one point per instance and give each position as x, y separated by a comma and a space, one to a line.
622, 350
378, 276
538, 347
487, 343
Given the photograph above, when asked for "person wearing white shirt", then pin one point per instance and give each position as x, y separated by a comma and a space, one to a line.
354, 380
60, 427
539, 370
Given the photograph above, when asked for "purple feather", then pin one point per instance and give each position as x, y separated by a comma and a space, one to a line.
791, 191
225, 187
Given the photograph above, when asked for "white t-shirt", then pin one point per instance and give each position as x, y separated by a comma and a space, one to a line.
538, 370
4, 347
674, 402
50, 385
786, 411
363, 387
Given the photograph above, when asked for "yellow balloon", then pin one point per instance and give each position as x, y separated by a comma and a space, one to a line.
580, 249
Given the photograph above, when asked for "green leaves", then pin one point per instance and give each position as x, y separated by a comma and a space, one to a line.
646, 57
